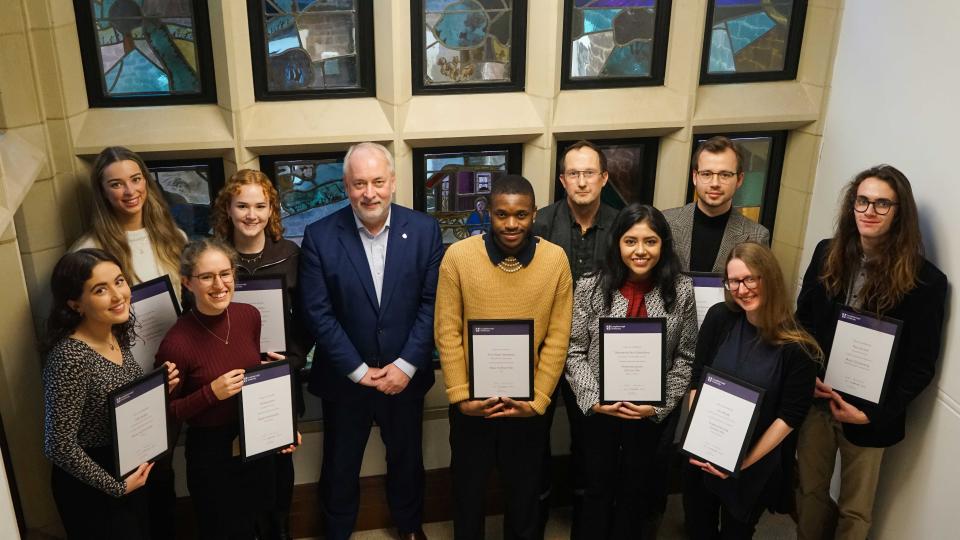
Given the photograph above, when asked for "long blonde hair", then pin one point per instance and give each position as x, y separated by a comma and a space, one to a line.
775, 321
166, 239
223, 225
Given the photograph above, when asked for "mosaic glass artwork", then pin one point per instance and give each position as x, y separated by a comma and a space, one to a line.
467, 41
626, 177
756, 166
749, 36
612, 38
310, 189
311, 44
457, 190
146, 47
186, 189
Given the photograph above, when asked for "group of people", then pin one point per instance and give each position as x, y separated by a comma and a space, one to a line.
374, 290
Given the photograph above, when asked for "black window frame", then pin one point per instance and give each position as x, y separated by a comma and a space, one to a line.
771, 189
791, 56
215, 182
648, 168
518, 54
93, 76
658, 57
365, 59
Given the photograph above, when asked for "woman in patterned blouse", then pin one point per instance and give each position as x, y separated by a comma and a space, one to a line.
89, 334
640, 277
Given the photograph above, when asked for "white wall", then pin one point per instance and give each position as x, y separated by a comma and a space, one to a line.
894, 99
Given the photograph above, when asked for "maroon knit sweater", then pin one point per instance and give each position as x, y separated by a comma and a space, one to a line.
201, 358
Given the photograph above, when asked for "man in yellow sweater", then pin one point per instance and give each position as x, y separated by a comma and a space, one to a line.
505, 274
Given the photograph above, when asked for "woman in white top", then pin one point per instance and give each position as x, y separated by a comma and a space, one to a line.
130, 219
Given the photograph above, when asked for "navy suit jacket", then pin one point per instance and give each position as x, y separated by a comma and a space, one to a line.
340, 301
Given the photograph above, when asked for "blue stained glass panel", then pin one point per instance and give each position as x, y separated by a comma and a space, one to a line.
745, 30
749, 36
721, 54
457, 190
633, 25
631, 60
466, 41
596, 20
186, 189
623, 3
310, 189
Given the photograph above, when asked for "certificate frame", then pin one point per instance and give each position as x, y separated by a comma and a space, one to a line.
751, 428
471, 325
265, 366
661, 322
705, 276
248, 278
112, 398
136, 295
897, 323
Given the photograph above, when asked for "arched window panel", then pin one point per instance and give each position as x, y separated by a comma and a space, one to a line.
468, 46
145, 52
453, 184
189, 187
309, 49
310, 187
632, 169
752, 40
614, 43
762, 166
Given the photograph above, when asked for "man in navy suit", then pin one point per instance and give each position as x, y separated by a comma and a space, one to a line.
368, 277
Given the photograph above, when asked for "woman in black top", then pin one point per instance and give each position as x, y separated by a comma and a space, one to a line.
754, 337
873, 263
89, 334
247, 216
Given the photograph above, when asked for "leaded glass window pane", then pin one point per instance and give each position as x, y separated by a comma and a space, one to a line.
145, 49
469, 43
754, 37
189, 188
615, 40
631, 168
310, 187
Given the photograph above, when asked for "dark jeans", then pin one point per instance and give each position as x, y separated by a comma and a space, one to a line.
705, 517
514, 446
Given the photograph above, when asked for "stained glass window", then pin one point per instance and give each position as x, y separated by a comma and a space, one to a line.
453, 185
189, 187
752, 40
311, 48
469, 44
762, 164
631, 168
614, 42
145, 52
310, 187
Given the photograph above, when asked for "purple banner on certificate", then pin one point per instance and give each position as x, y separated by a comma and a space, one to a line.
259, 284
732, 388
707, 280
632, 327
880, 325
149, 289
504, 329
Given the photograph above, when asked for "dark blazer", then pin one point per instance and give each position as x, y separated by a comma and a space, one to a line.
921, 311
553, 224
340, 301
739, 229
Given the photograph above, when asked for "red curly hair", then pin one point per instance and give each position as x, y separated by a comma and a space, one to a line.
223, 225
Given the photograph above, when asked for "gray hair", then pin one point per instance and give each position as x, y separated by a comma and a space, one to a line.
367, 146
195, 248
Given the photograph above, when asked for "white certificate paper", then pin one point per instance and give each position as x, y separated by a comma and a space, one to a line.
501, 359
631, 360
721, 421
156, 309
266, 294
266, 410
139, 416
860, 357
707, 292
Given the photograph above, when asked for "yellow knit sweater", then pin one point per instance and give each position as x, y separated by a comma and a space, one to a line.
471, 287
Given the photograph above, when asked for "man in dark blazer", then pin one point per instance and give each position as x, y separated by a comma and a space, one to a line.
705, 231
368, 278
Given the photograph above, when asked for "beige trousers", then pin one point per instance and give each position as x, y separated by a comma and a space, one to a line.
819, 517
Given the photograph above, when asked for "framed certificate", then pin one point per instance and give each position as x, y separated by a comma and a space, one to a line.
138, 415
722, 420
501, 359
860, 358
632, 360
155, 306
266, 294
268, 421
707, 292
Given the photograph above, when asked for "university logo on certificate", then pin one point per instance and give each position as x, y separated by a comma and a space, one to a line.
633, 360
267, 417
138, 416
501, 358
862, 354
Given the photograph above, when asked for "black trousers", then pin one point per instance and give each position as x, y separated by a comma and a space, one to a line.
231, 499
162, 496
619, 465
87, 512
705, 517
346, 427
515, 447
575, 421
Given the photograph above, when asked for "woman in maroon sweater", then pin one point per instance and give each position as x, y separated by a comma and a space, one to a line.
213, 344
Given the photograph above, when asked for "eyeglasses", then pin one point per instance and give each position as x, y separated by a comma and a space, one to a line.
880, 206
575, 175
725, 177
750, 282
207, 278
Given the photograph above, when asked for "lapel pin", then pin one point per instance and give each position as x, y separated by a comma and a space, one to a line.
404, 235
